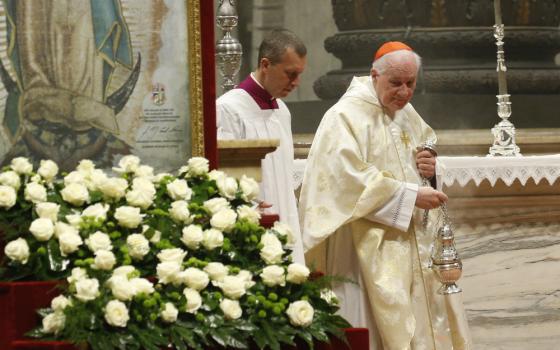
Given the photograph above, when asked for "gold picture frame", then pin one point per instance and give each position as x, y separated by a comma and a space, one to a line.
128, 77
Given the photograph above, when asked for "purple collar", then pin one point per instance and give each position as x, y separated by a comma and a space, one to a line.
260, 95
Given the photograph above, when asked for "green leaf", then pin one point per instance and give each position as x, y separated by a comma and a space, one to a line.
44, 311
56, 261
260, 339
270, 336
35, 333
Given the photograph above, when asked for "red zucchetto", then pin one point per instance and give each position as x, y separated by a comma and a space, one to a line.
391, 46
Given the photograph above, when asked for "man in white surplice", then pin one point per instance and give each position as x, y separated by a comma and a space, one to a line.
253, 110
362, 195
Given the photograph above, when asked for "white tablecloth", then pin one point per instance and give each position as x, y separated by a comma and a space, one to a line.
464, 169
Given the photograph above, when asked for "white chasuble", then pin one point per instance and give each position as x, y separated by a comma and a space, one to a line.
244, 113
356, 191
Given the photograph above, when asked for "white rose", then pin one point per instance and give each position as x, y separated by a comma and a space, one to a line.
139, 198
169, 313
77, 274
47, 210
87, 289
116, 313
224, 220
142, 286
217, 271
216, 175
54, 322
85, 166
127, 164
124, 270
8, 196
121, 288
194, 301
157, 179
273, 275
284, 230
69, 243
179, 190
195, 278
248, 213
48, 170
144, 184
74, 177
212, 239
17, 250
247, 277
144, 171
197, 166
42, 229
35, 178
35, 192
297, 273
174, 254
192, 236
215, 205
96, 179
76, 194
104, 260
329, 296
155, 237
227, 187
128, 217
74, 220
10, 178
138, 245
270, 239
168, 272
114, 187
21, 165
183, 170
179, 212
60, 303
249, 188
233, 287
61, 228
272, 250
300, 313
272, 254
97, 211
231, 309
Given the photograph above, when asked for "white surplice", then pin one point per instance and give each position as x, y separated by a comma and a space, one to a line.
240, 117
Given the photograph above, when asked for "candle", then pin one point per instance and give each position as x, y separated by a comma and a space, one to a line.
497, 12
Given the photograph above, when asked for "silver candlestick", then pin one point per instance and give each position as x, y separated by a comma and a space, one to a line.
445, 260
228, 48
504, 131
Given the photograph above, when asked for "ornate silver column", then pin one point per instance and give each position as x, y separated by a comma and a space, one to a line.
504, 131
228, 48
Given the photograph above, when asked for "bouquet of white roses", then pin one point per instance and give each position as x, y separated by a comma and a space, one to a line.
157, 260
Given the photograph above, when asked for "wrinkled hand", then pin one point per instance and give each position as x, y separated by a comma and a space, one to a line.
426, 164
428, 198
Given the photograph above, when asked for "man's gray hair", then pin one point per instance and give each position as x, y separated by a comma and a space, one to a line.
275, 44
381, 64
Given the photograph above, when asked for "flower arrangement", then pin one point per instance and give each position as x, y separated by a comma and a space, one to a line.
157, 260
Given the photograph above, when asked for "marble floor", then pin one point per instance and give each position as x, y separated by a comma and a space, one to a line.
511, 284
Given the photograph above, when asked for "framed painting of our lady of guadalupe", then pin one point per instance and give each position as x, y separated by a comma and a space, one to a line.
99, 79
